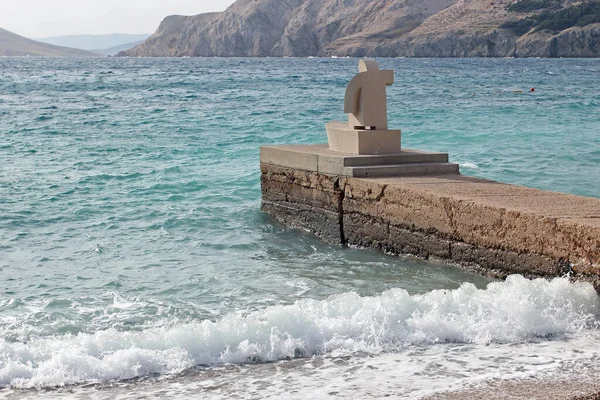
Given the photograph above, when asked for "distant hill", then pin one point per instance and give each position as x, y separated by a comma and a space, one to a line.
383, 28
114, 50
12, 44
93, 42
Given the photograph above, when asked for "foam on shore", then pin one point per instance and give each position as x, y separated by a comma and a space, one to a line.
515, 311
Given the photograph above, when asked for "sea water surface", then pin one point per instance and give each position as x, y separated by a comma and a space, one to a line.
134, 257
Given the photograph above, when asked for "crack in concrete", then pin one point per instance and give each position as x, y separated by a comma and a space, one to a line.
340, 210
382, 193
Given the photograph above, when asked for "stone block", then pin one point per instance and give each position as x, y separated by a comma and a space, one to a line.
289, 157
360, 141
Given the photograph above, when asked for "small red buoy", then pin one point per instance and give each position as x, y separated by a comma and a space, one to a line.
532, 89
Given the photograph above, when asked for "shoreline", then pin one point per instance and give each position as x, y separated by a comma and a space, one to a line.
228, 380
531, 389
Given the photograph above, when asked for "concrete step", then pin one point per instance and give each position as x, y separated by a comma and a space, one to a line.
318, 158
413, 169
406, 157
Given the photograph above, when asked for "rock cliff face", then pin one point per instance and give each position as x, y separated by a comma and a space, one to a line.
393, 28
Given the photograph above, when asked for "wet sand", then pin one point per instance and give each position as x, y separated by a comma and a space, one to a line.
543, 389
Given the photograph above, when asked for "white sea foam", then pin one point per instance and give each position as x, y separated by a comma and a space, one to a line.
515, 311
469, 165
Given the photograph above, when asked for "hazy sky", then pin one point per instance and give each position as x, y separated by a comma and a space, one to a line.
44, 18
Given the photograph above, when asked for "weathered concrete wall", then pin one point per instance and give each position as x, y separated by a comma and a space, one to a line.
496, 229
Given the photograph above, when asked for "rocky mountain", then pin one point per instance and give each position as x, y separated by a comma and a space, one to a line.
411, 28
12, 44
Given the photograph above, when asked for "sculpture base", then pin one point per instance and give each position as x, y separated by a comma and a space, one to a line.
364, 142
319, 158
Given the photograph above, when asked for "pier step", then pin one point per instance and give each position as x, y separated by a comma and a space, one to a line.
406, 157
319, 158
412, 169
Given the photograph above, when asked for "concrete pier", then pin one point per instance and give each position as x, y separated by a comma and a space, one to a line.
494, 228
364, 189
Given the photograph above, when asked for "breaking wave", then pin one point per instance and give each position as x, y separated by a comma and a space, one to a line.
515, 311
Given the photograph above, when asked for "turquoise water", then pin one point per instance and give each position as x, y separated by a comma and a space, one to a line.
132, 243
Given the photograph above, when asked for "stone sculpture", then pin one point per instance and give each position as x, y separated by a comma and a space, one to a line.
365, 100
366, 131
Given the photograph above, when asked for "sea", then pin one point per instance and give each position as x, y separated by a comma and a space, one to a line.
135, 261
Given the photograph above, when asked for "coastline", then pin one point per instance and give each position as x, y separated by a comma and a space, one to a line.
225, 381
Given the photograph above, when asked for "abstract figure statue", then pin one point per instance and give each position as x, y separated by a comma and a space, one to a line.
366, 105
365, 99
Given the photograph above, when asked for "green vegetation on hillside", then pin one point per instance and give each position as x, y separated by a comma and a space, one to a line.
582, 14
519, 27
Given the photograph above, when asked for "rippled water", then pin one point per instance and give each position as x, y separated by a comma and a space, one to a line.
131, 240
